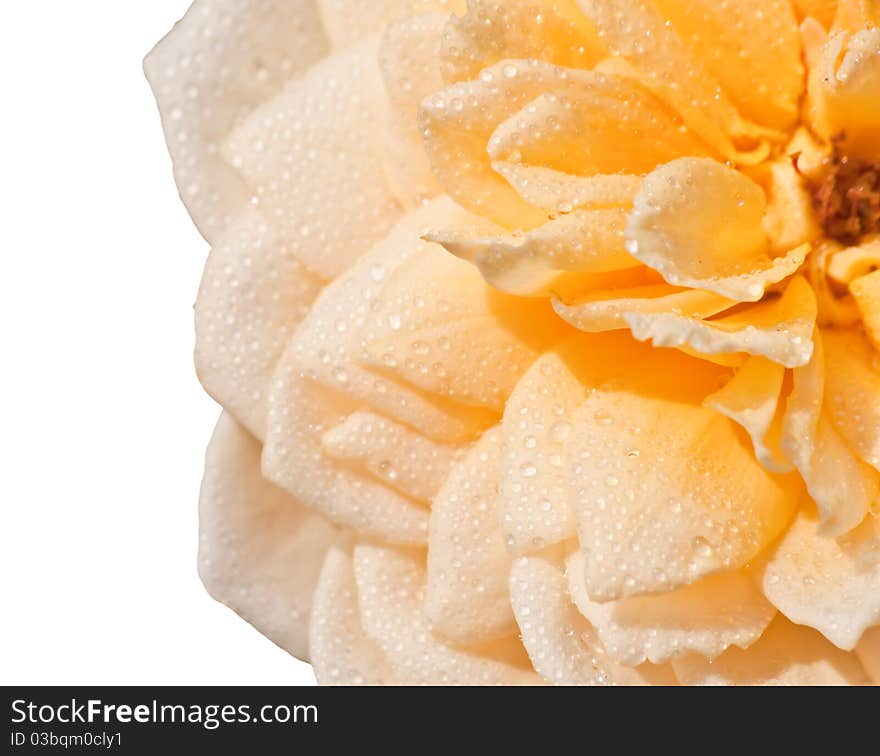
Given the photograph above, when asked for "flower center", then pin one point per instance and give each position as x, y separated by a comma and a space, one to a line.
847, 198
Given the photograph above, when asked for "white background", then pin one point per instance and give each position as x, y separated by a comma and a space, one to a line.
102, 424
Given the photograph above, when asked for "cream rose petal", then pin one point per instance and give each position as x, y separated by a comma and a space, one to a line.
221, 61
563, 646
391, 591
329, 344
835, 311
252, 296
534, 508
790, 220
535, 512
342, 653
350, 21
699, 224
457, 122
608, 309
842, 486
778, 329
260, 551
866, 293
706, 618
528, 264
370, 363
852, 391
832, 585
665, 491
313, 160
868, 652
844, 92
400, 457
803, 408
409, 59
560, 192
439, 326
491, 31
300, 412
847, 265
752, 399
786, 654
467, 597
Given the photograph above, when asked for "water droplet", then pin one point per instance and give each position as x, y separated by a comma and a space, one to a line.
528, 470
560, 431
702, 547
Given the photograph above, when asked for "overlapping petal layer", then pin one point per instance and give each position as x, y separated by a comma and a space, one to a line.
542, 360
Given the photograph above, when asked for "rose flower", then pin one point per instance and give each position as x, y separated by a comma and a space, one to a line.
546, 333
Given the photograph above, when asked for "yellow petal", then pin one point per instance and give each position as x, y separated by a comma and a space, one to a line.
705, 618
866, 292
868, 652
853, 15
852, 391
350, 21
328, 346
846, 265
830, 585
559, 192
699, 224
803, 408
836, 309
529, 264
790, 220
537, 425
219, 63
594, 123
786, 654
813, 38
564, 648
251, 535
636, 30
398, 456
491, 31
342, 653
842, 486
243, 321
752, 400
409, 59
844, 92
391, 591
665, 491
467, 597
751, 48
440, 327
607, 309
779, 329
822, 10
313, 160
